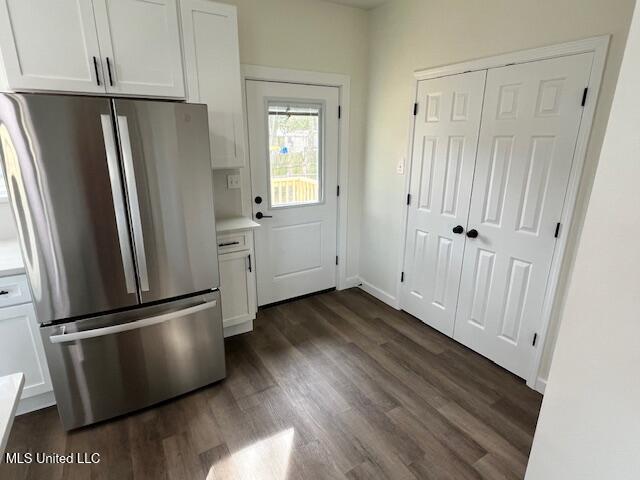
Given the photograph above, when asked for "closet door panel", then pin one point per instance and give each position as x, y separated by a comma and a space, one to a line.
444, 151
530, 123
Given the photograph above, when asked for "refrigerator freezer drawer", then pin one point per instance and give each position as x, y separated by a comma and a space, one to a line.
107, 366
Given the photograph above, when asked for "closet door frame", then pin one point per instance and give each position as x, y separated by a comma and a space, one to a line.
598, 46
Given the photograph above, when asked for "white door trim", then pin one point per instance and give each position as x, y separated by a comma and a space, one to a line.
343, 82
599, 46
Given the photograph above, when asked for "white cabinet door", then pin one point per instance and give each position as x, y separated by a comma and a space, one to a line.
21, 349
50, 45
140, 45
530, 124
237, 286
444, 154
212, 64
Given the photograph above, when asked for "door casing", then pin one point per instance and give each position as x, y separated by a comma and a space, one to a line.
598, 46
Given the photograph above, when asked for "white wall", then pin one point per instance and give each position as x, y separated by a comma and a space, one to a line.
318, 36
408, 35
589, 426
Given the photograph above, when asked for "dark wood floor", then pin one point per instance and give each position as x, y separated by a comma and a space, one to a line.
336, 385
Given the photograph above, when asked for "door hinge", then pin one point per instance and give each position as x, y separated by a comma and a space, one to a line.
336, 260
408, 199
338, 191
402, 277
339, 111
415, 109
535, 339
584, 96
557, 233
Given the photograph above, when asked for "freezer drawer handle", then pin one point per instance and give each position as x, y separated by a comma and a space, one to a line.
124, 327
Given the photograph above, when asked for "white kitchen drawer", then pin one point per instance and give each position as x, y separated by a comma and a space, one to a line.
14, 290
233, 242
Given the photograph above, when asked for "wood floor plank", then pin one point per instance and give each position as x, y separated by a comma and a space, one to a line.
337, 385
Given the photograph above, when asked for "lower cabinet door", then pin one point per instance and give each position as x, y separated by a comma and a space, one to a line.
237, 285
21, 349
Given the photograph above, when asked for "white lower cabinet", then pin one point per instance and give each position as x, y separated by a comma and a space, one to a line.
21, 349
237, 283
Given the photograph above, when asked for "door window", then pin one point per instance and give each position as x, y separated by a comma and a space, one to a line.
295, 154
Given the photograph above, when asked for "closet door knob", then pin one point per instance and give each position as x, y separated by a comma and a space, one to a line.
260, 215
473, 233
458, 229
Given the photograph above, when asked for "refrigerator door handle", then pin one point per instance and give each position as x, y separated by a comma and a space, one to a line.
125, 327
118, 203
134, 202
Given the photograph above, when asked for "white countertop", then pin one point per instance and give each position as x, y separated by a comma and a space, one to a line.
235, 223
10, 390
10, 258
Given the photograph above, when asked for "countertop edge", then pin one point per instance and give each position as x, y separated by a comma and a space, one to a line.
5, 429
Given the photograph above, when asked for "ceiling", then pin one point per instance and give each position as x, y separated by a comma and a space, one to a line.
366, 4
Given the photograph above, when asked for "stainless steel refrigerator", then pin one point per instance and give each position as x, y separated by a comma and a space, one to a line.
113, 200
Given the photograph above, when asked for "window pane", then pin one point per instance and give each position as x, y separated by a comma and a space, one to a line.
295, 162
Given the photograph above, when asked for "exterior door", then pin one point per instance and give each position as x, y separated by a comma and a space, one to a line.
50, 45
444, 154
293, 143
140, 43
63, 177
530, 124
168, 178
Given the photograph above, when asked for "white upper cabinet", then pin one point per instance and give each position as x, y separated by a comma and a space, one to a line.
140, 46
212, 64
123, 47
49, 45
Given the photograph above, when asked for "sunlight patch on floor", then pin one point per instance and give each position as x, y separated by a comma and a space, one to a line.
266, 459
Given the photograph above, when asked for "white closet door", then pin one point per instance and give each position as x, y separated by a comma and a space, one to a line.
47, 45
530, 123
140, 45
443, 158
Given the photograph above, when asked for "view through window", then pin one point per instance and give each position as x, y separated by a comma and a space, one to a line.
295, 161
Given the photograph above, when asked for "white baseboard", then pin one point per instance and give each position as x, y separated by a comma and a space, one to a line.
350, 282
36, 402
238, 329
379, 294
541, 385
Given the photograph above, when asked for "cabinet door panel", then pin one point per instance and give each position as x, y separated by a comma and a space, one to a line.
50, 45
237, 285
21, 349
212, 63
140, 41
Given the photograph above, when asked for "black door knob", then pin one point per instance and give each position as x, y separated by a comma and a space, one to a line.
458, 229
258, 199
473, 233
260, 215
